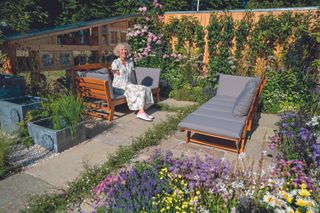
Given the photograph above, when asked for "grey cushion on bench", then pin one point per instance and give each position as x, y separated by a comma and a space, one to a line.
148, 76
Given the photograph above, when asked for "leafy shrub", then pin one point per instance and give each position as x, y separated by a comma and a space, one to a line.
287, 90
4, 151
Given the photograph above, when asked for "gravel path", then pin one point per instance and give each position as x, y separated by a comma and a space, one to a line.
24, 157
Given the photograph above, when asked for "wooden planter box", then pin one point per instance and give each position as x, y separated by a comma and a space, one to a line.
57, 140
11, 86
13, 110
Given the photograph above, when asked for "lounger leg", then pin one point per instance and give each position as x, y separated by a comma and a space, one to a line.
249, 125
188, 137
241, 145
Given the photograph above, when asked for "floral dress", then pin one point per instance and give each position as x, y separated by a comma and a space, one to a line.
137, 96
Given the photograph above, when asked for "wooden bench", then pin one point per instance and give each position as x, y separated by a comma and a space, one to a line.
97, 97
97, 91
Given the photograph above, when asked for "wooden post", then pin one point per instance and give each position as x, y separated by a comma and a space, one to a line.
100, 43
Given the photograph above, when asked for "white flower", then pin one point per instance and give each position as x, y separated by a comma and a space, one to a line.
270, 199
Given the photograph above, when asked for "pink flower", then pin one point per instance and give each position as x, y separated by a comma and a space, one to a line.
155, 38
174, 55
165, 56
142, 9
147, 18
160, 18
158, 42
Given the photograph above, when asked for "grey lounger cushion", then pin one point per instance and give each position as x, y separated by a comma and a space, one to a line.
99, 74
148, 76
243, 101
215, 126
232, 86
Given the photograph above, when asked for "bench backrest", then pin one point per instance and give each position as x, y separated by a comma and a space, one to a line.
148, 76
93, 88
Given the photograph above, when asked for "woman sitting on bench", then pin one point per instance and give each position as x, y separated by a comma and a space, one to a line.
138, 97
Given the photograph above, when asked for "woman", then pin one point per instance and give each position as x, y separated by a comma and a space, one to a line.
138, 97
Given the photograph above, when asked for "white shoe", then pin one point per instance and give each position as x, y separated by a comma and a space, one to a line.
150, 116
144, 116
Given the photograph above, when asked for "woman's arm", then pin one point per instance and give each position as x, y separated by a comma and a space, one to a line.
115, 67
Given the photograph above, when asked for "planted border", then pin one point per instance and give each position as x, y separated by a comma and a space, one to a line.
82, 187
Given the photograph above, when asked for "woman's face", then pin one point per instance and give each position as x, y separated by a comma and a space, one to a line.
123, 53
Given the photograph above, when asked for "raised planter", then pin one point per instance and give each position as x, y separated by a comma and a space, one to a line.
11, 86
42, 133
13, 110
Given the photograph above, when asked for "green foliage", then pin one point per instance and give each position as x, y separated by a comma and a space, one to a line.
82, 186
124, 7
67, 112
189, 34
4, 151
31, 115
20, 14
281, 3
287, 90
77, 10
221, 31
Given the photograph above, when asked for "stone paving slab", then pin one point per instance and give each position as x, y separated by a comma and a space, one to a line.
15, 190
67, 166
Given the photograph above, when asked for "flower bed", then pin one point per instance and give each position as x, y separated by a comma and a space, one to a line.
191, 184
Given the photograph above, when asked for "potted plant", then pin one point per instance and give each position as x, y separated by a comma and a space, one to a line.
64, 129
14, 110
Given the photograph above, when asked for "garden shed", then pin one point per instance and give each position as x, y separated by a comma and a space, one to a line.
62, 47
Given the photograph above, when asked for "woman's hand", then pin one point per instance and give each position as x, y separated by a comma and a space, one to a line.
116, 72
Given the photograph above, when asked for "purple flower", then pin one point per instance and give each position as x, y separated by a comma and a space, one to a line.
304, 134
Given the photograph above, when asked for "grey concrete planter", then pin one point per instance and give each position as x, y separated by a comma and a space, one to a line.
13, 110
57, 140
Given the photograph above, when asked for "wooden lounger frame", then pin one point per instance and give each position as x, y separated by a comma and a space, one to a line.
237, 141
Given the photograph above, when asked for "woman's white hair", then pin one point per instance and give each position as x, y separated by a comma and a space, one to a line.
116, 50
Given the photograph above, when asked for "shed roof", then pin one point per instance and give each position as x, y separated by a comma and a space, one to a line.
54, 29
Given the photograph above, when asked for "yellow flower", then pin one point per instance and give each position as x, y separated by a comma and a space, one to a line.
197, 192
304, 193
301, 202
289, 199
179, 176
297, 211
162, 210
303, 186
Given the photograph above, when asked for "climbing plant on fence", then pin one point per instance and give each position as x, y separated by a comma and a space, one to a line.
189, 35
221, 31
